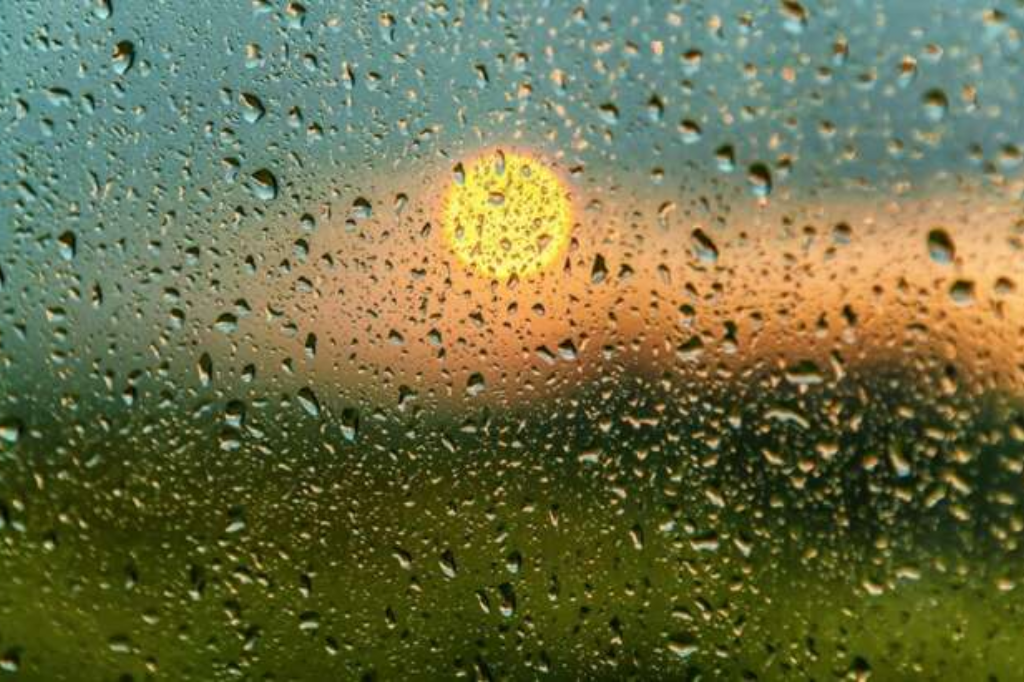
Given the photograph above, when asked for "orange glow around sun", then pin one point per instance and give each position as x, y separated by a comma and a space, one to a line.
506, 214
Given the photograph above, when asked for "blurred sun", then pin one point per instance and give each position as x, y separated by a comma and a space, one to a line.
506, 214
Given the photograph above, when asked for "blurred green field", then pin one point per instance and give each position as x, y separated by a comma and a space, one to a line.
495, 549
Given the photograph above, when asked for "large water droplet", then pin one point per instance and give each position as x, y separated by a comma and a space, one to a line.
940, 247
263, 185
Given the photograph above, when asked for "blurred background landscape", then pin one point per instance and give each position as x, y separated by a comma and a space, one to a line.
760, 418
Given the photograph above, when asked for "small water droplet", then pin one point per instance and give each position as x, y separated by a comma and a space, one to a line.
725, 158
362, 208
936, 105
760, 179
294, 15
683, 646
67, 244
102, 9
599, 271
690, 131
205, 369
475, 384
10, 430
794, 16
962, 292
609, 113
655, 109
350, 424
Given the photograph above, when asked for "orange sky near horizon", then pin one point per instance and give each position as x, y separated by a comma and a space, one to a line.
840, 282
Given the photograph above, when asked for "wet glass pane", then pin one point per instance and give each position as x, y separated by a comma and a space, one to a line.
511, 340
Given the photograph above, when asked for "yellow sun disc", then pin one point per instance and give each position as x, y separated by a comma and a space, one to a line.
506, 214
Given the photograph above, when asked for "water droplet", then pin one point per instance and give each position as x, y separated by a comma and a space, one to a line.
252, 108
361, 208
58, 97
227, 323
691, 61
102, 9
447, 563
609, 113
655, 109
794, 16
907, 73
309, 621
962, 292
308, 401
683, 646
514, 562
508, 600
760, 179
263, 185
690, 131
567, 351
703, 247
725, 158
10, 662
475, 384
940, 247
294, 15
124, 57
936, 105
10, 430
67, 245
350, 424
599, 271
205, 369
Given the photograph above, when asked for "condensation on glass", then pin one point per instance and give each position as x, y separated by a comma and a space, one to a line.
511, 340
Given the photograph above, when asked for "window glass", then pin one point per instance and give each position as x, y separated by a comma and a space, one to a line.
511, 340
